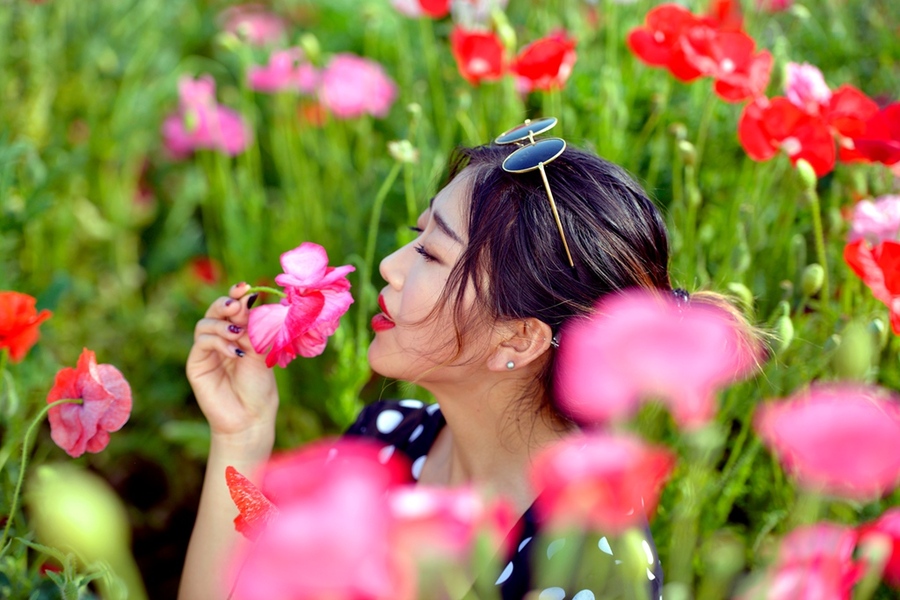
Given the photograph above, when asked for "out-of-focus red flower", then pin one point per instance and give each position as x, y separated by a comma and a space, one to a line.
255, 509
105, 407
607, 482
725, 15
877, 221
317, 297
879, 268
637, 346
436, 9
254, 23
206, 270
888, 524
730, 58
841, 440
287, 70
19, 321
480, 55
880, 139
847, 113
353, 86
658, 42
545, 63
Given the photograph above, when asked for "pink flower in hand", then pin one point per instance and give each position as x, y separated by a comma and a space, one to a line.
888, 525
637, 346
317, 297
287, 70
842, 440
876, 221
105, 407
353, 86
606, 482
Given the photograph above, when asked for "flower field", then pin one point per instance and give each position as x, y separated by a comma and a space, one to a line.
153, 153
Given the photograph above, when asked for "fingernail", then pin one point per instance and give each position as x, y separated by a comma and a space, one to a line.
229, 301
239, 352
234, 328
251, 300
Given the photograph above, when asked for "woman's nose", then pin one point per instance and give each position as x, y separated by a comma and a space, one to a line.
391, 268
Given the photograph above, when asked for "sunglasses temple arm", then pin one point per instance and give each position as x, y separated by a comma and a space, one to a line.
555, 213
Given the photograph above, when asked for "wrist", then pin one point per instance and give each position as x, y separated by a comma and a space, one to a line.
249, 446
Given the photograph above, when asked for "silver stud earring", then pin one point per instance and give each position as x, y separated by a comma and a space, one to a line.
510, 365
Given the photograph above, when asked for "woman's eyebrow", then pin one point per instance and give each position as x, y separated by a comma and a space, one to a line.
442, 224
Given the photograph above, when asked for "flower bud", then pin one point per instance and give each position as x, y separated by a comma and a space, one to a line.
743, 294
311, 48
688, 152
784, 328
879, 333
853, 357
678, 131
812, 278
807, 174
403, 151
229, 41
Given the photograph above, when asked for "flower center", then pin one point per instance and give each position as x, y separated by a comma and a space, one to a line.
791, 145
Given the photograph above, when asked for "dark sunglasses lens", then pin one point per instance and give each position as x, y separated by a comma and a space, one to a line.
519, 133
527, 158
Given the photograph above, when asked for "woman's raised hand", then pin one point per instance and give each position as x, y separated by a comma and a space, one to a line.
235, 389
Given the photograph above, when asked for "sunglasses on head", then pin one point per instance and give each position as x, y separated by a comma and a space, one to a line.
533, 155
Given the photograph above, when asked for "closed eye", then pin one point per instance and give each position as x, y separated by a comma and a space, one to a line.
421, 250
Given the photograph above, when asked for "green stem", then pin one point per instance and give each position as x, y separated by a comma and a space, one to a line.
703, 131
4, 357
813, 198
256, 289
26, 443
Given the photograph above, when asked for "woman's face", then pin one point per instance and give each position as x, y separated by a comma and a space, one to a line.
408, 345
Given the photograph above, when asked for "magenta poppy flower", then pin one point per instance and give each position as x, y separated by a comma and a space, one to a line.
105, 407
637, 346
841, 439
287, 71
317, 297
353, 86
606, 482
876, 221
888, 525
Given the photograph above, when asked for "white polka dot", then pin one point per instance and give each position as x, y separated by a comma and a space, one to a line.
524, 543
648, 552
416, 432
411, 403
584, 595
417, 466
432, 408
554, 547
385, 454
651, 576
554, 593
603, 544
388, 420
505, 574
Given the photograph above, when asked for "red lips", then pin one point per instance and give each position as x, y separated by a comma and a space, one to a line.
382, 306
382, 321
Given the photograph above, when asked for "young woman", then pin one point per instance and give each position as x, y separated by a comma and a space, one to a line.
506, 253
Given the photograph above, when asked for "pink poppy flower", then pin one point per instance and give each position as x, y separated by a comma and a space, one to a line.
876, 221
201, 124
805, 87
638, 346
254, 23
607, 482
317, 297
105, 407
842, 440
888, 525
287, 70
353, 86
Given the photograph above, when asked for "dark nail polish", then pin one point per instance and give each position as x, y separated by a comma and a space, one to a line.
239, 352
251, 300
229, 301
234, 328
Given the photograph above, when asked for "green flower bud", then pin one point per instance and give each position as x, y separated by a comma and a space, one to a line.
784, 328
807, 174
311, 48
853, 357
403, 151
879, 333
229, 41
743, 294
678, 131
688, 152
812, 278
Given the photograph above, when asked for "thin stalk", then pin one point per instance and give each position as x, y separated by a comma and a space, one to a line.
4, 357
256, 289
814, 203
438, 100
705, 121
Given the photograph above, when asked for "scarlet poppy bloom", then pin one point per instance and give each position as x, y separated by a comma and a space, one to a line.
546, 63
206, 270
317, 297
888, 524
880, 139
658, 42
879, 268
729, 57
480, 55
255, 509
841, 440
606, 482
19, 321
105, 407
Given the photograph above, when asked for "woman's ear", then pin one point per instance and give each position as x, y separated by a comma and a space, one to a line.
519, 343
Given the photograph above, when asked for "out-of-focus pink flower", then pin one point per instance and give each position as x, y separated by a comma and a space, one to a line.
606, 482
200, 123
639, 346
842, 440
353, 86
317, 297
105, 407
434, 9
876, 221
254, 23
805, 86
546, 63
287, 70
888, 525
774, 5
332, 535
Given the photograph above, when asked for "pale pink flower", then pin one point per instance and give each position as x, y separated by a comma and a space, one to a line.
805, 87
888, 525
253, 23
876, 221
472, 14
105, 407
287, 70
843, 440
317, 297
201, 124
603, 481
353, 86
638, 346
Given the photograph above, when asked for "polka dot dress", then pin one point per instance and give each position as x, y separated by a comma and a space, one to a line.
410, 427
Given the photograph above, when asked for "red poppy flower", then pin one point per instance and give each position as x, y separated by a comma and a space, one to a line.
206, 270
546, 63
105, 407
880, 139
19, 321
767, 126
879, 268
888, 524
255, 509
480, 55
725, 15
658, 43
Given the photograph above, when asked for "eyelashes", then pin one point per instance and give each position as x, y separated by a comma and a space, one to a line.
421, 250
